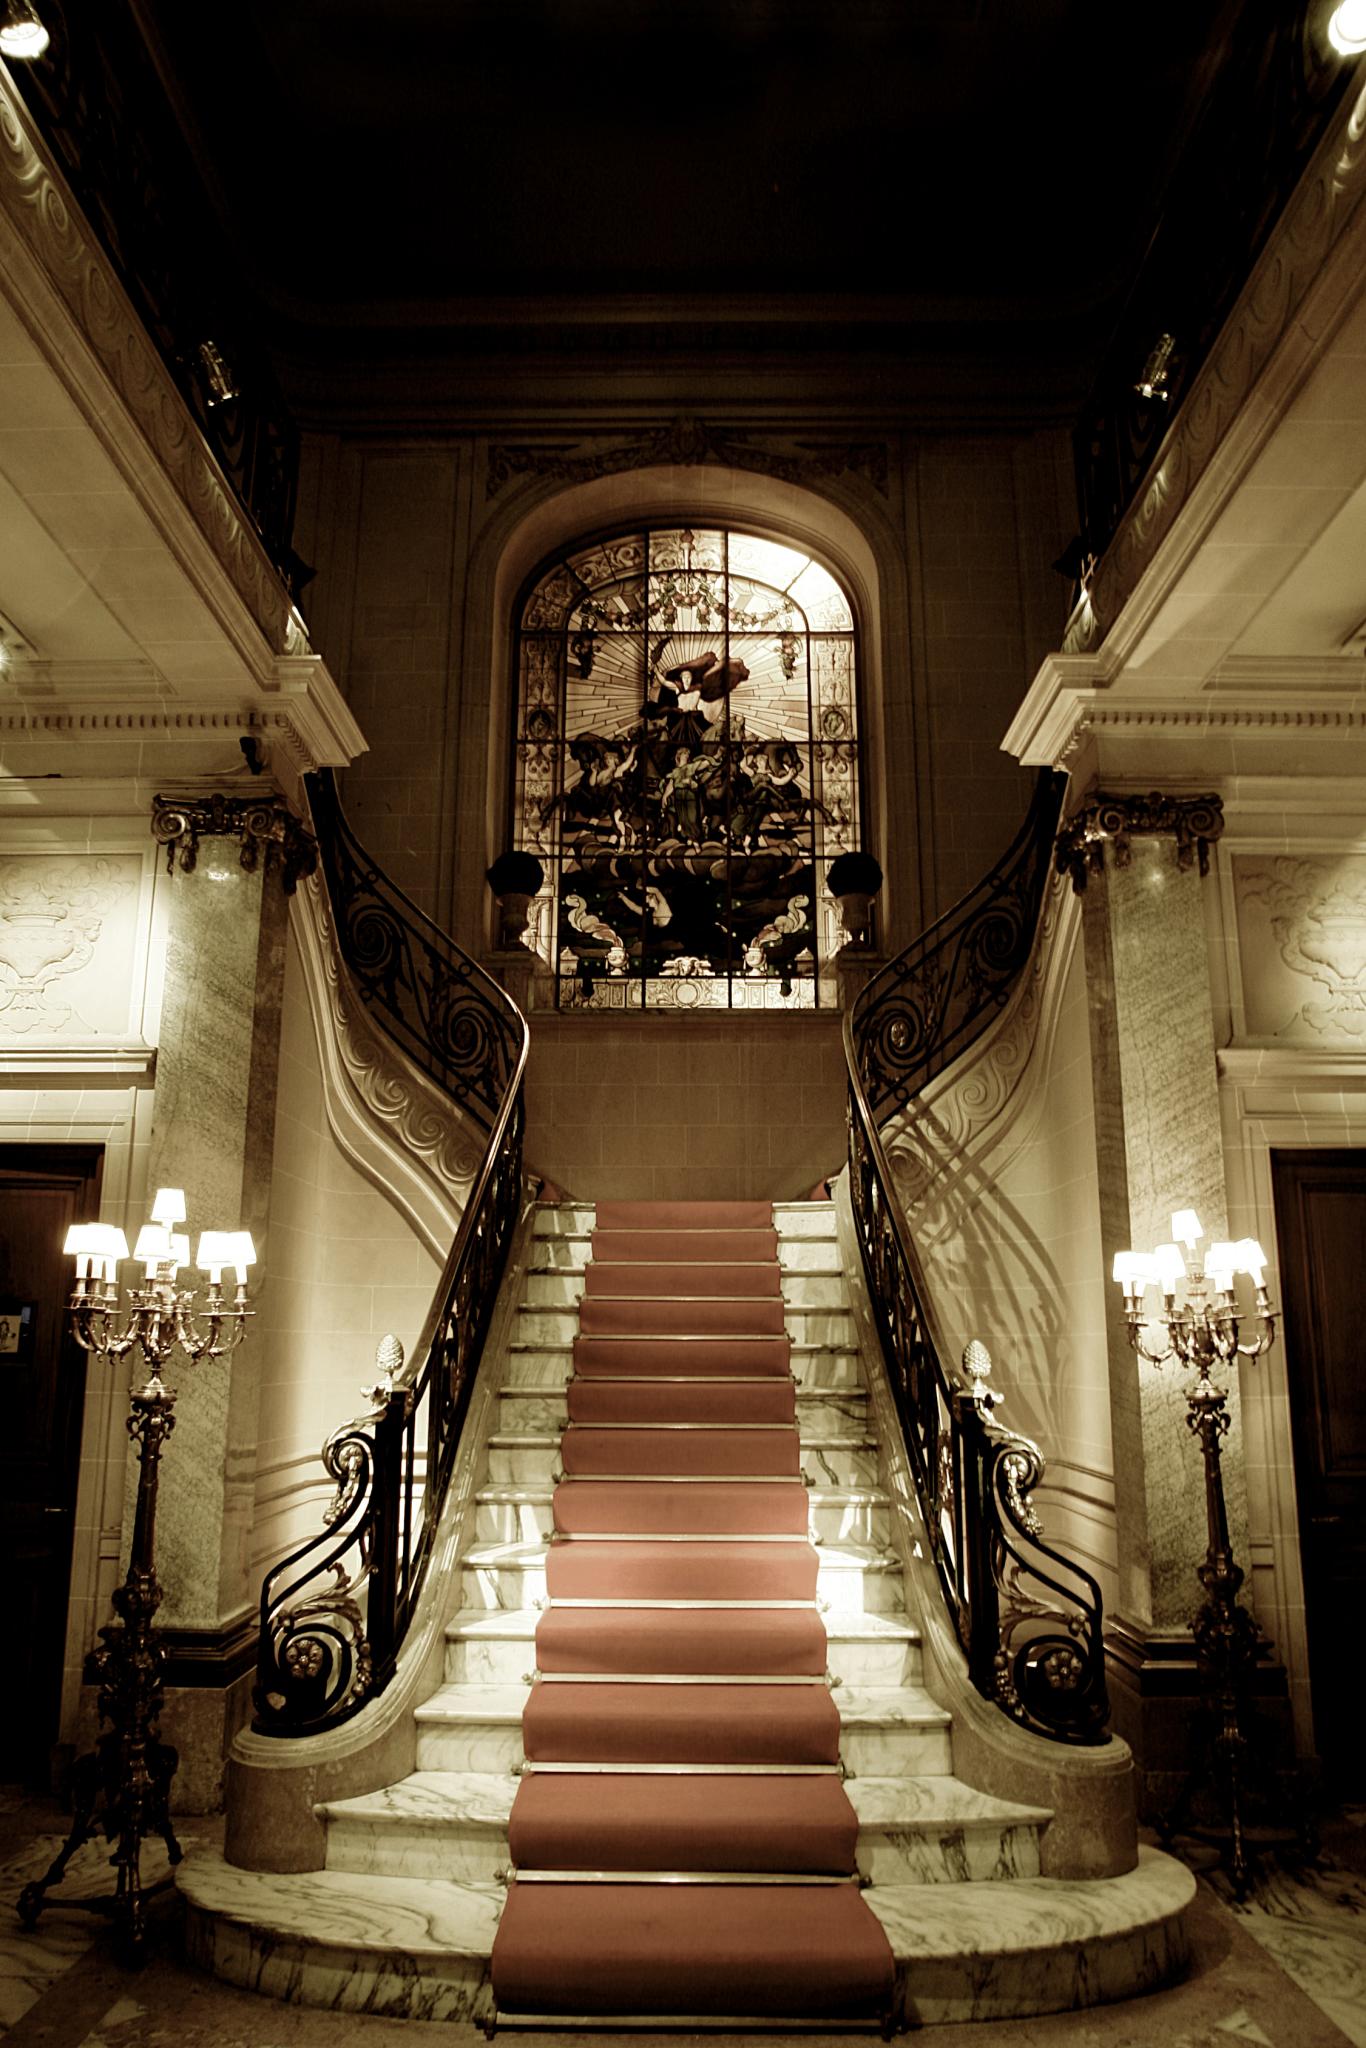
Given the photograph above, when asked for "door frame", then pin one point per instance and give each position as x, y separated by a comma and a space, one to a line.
45, 1103
81, 1163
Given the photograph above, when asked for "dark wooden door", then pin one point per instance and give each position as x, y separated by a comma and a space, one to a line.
43, 1189
1321, 1231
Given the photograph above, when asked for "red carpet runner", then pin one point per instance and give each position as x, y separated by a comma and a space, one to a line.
680, 1724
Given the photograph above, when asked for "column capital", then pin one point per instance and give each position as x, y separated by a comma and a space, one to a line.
1116, 817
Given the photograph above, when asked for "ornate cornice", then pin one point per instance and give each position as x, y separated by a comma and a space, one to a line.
1266, 315
312, 725
260, 822
1195, 822
39, 217
686, 442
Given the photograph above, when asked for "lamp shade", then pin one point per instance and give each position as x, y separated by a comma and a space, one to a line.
243, 1252
1252, 1259
1222, 1261
216, 1250
1170, 1266
1186, 1227
169, 1206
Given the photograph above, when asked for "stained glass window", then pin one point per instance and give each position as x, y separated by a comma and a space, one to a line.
687, 769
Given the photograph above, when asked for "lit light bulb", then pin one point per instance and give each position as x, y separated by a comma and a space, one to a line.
21, 32
1347, 28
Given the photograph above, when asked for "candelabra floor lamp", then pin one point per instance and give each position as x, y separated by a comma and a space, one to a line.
1201, 1331
122, 1788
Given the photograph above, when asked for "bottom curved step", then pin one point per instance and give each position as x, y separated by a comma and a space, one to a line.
418, 1948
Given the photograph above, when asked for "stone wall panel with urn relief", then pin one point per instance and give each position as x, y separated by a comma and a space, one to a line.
72, 942
1302, 946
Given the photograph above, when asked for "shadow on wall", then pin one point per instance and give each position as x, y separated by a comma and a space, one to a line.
990, 1274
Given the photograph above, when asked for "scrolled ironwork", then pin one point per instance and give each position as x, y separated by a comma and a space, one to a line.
438, 1004
929, 1003
336, 1611
1027, 1618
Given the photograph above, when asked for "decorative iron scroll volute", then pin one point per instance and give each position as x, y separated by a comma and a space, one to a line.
335, 1612
1027, 1619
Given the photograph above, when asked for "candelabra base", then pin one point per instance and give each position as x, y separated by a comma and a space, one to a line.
124, 1807
1241, 1797
122, 1788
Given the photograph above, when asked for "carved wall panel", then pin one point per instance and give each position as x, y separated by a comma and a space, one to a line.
1302, 934
72, 943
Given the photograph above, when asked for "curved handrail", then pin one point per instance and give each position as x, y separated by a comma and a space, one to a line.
322, 1653
1028, 1619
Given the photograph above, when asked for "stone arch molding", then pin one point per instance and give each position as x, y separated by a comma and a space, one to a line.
844, 521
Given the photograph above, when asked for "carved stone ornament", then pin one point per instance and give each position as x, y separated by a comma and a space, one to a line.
179, 823
1195, 822
51, 916
686, 442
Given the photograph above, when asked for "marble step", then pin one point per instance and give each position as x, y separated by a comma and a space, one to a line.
542, 1325
536, 1362
442, 1824
790, 1219
454, 1825
476, 1728
822, 1412
563, 1219
885, 1731
413, 1948
805, 1219
937, 1830
852, 1578
1000, 1951
418, 1948
536, 1460
567, 1254
497, 1647
560, 1287
521, 1513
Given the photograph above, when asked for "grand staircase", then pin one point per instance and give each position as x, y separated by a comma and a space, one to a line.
683, 1766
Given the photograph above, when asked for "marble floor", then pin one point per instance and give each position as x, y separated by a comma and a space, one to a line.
1286, 1970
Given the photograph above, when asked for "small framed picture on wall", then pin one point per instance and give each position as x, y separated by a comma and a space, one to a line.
17, 1321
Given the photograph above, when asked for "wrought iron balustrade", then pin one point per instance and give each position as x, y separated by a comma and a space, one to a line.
1267, 105
97, 99
1027, 1619
335, 1612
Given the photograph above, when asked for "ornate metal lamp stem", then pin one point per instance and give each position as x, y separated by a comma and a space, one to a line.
1202, 1332
121, 1789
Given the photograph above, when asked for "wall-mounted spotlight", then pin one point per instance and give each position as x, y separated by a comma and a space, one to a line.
1152, 378
21, 32
1347, 28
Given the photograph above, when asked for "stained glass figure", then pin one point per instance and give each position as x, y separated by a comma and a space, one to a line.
687, 769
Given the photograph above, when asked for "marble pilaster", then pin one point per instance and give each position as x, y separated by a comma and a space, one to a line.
212, 1135
1159, 1149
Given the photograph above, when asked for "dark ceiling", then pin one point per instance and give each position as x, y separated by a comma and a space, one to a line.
386, 162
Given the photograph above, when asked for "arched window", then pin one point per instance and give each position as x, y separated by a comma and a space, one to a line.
687, 768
